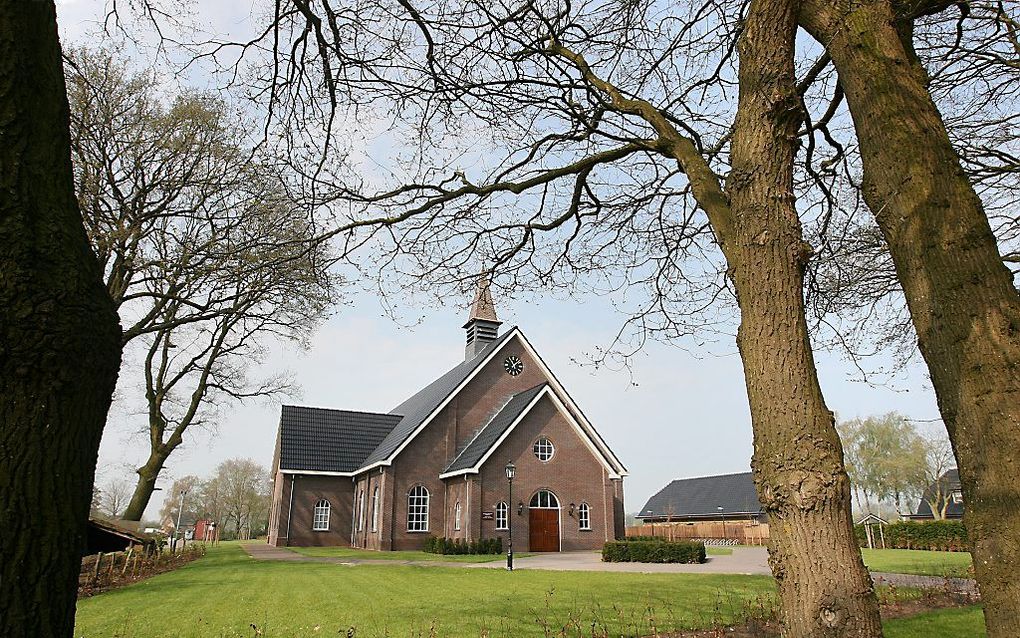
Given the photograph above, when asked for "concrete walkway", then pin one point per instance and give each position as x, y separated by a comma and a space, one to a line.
743, 560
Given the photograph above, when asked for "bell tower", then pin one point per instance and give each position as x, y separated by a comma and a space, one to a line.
482, 325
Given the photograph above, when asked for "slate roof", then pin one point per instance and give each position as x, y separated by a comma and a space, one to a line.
494, 429
417, 408
325, 440
950, 482
702, 496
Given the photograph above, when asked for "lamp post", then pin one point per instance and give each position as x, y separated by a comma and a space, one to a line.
510, 471
177, 530
723, 517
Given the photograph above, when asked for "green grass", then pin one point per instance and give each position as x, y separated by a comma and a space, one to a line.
368, 554
913, 561
222, 594
966, 622
718, 551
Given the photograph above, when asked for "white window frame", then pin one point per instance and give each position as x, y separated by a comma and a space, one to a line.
502, 516
456, 517
418, 509
543, 447
584, 517
320, 515
375, 509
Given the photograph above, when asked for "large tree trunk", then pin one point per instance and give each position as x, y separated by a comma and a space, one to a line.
146, 485
59, 336
824, 587
962, 301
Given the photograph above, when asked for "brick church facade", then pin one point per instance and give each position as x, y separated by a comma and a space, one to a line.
434, 465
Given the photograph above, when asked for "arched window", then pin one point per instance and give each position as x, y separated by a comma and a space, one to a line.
502, 515
583, 517
456, 517
544, 499
361, 510
375, 509
543, 449
418, 509
320, 516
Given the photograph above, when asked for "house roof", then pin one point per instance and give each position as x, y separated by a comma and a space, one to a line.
491, 433
415, 410
950, 480
326, 440
702, 497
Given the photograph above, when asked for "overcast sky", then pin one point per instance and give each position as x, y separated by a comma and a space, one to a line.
678, 412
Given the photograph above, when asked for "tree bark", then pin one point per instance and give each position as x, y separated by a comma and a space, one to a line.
798, 459
147, 476
59, 336
963, 304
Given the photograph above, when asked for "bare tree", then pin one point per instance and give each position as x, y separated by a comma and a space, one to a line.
205, 253
929, 477
115, 495
59, 338
963, 302
243, 486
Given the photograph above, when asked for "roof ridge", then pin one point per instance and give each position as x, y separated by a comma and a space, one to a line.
482, 429
317, 407
704, 476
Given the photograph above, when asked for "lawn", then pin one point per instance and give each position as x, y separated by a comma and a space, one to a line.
966, 622
912, 561
368, 554
224, 593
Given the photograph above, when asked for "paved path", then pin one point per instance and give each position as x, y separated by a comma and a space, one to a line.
743, 560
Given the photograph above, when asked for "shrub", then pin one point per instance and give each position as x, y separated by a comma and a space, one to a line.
658, 551
948, 536
449, 546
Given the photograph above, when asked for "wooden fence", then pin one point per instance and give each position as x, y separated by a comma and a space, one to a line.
729, 532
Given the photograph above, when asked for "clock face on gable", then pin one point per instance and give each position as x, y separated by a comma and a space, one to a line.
513, 365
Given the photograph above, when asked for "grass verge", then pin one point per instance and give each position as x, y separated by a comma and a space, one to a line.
913, 561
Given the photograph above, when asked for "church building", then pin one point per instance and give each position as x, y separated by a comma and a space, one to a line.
435, 464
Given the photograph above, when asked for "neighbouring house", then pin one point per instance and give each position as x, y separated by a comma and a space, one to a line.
726, 497
947, 496
435, 464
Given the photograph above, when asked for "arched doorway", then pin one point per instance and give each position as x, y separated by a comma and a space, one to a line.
544, 522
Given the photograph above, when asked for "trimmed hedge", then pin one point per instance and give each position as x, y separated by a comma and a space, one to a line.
439, 545
653, 551
946, 536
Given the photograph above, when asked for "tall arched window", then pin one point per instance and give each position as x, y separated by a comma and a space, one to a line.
361, 510
418, 509
456, 517
584, 517
502, 515
375, 509
320, 516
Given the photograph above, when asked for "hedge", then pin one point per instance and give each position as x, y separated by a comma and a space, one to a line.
439, 545
947, 536
657, 551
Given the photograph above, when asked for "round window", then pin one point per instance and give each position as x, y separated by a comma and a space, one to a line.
543, 449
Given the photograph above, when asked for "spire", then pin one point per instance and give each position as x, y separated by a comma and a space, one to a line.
482, 325
482, 306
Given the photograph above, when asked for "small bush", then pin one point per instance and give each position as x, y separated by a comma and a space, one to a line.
450, 546
947, 536
659, 551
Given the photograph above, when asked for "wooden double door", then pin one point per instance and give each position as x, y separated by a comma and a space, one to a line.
543, 530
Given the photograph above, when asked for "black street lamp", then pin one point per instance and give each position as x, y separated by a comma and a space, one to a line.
510, 471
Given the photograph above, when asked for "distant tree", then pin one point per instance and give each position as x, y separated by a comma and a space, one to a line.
172, 501
204, 251
243, 486
883, 455
114, 497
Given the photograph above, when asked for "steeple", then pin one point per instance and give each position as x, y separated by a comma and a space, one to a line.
482, 325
